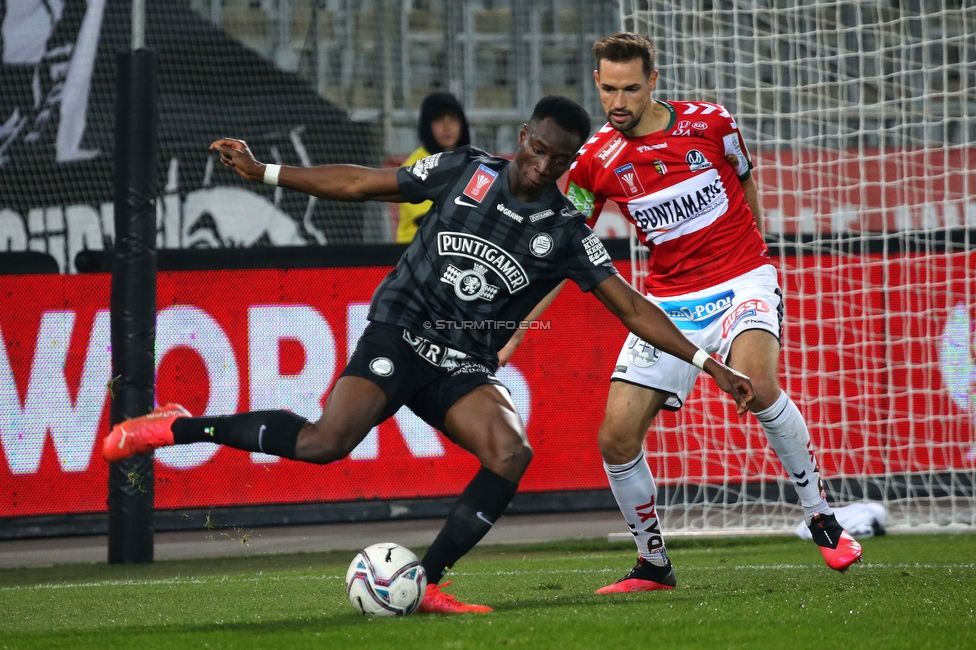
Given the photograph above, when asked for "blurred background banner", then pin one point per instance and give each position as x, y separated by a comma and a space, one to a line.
280, 339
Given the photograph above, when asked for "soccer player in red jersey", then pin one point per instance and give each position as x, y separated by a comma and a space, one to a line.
681, 173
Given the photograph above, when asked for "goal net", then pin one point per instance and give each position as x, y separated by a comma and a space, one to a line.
861, 119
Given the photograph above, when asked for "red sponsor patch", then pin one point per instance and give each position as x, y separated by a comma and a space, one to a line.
748, 308
480, 183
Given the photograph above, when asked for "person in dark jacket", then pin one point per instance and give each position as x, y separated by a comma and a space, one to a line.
443, 127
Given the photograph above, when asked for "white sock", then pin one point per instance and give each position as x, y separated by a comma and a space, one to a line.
633, 487
788, 436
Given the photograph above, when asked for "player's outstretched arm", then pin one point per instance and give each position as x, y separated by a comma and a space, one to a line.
648, 321
337, 182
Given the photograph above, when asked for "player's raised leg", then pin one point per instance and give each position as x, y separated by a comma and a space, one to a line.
485, 423
756, 352
353, 407
630, 410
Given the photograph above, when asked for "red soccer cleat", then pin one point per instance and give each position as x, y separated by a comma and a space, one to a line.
437, 602
643, 577
142, 434
839, 549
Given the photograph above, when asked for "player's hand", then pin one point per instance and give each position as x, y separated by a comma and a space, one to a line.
734, 383
236, 154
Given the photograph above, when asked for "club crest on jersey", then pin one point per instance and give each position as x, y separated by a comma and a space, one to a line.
480, 183
660, 167
629, 181
696, 160
642, 354
381, 366
541, 245
470, 284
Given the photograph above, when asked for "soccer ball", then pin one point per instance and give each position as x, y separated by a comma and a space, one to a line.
385, 580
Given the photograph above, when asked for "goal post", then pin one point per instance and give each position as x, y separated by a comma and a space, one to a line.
861, 122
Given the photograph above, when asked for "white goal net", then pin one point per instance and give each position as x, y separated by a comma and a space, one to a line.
861, 118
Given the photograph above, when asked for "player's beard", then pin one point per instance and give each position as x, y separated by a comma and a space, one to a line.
629, 125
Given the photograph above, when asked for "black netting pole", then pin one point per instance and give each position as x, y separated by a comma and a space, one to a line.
133, 302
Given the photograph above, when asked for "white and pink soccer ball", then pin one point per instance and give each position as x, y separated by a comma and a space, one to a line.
385, 580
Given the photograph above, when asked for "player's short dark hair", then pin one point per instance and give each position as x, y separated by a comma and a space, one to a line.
626, 46
566, 113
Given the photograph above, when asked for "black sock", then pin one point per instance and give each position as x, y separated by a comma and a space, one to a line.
482, 502
271, 432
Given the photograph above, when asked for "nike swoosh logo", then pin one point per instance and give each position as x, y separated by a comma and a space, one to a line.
126, 433
480, 515
457, 199
261, 437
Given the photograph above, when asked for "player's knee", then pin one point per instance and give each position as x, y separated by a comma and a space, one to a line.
618, 444
509, 457
767, 392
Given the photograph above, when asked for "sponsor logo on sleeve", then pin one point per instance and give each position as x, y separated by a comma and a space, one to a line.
629, 180
480, 183
421, 168
733, 147
582, 199
595, 250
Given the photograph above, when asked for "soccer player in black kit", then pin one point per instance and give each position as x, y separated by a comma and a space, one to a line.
499, 238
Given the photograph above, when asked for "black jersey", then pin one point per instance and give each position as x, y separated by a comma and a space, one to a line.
482, 259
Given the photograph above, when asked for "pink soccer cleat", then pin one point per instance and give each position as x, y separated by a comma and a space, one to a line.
142, 434
643, 577
839, 549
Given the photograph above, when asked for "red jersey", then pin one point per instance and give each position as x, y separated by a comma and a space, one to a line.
682, 194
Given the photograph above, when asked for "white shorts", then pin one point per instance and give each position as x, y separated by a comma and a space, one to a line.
711, 319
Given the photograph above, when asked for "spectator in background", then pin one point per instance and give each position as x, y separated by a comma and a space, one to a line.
443, 127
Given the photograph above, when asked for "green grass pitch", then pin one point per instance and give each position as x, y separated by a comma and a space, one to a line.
912, 591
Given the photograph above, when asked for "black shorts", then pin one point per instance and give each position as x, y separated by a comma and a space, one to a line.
426, 376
